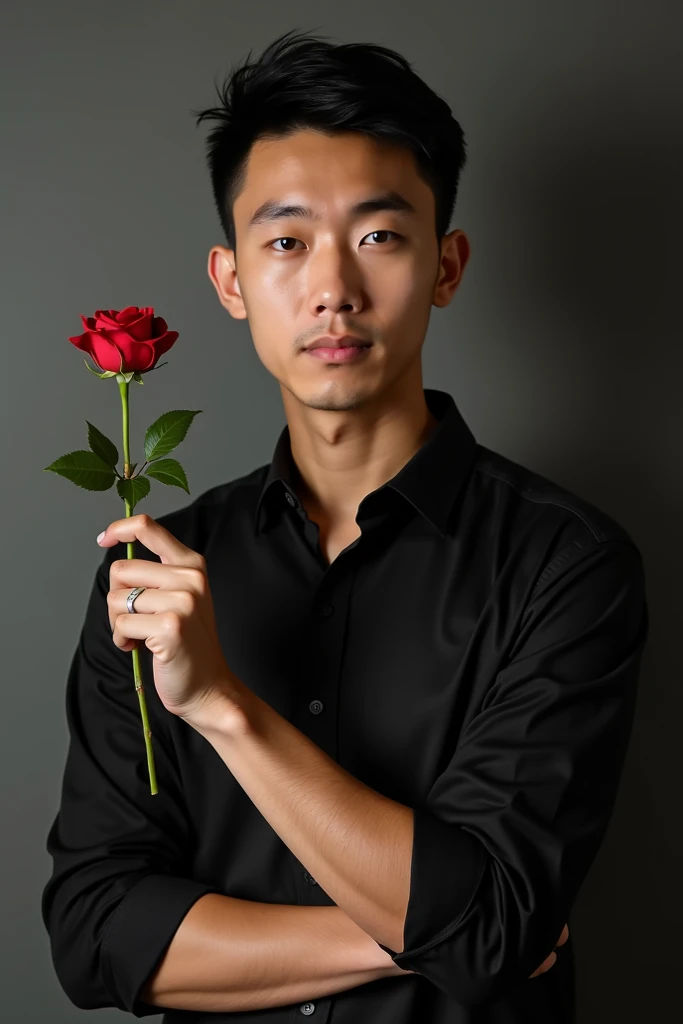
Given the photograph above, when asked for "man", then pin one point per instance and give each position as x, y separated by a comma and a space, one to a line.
409, 665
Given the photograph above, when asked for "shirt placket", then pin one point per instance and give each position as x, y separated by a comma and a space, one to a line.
318, 713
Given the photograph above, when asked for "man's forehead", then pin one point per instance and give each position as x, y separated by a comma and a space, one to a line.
301, 181
306, 146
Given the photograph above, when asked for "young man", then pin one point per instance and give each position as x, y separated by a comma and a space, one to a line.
436, 649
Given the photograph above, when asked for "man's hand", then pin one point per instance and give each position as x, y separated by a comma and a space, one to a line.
174, 616
550, 960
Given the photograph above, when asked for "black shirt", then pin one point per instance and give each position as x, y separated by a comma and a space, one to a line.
474, 655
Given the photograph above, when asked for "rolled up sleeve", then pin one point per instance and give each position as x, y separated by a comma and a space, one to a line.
515, 821
120, 883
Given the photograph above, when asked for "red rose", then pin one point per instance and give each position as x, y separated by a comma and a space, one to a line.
133, 334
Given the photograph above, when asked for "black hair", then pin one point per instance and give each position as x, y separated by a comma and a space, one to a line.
301, 82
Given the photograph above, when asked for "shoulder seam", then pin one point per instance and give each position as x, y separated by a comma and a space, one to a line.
570, 550
527, 493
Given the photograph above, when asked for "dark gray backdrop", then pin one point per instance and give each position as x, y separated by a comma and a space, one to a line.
561, 347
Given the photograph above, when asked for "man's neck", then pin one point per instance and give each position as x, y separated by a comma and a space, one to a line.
331, 480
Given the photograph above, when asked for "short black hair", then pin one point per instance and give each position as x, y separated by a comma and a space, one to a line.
302, 82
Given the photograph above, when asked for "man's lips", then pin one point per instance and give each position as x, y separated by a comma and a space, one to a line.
345, 341
347, 354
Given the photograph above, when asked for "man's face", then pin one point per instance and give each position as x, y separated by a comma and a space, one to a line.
372, 274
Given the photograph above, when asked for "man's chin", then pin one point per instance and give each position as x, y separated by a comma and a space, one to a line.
332, 396
337, 400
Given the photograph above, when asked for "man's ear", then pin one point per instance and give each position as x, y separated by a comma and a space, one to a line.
223, 275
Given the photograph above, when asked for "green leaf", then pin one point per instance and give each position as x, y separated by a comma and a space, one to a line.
85, 469
102, 446
169, 471
138, 377
167, 432
133, 489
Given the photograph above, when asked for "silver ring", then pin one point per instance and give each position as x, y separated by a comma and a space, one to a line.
135, 592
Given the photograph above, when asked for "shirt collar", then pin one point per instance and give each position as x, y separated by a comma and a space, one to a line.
430, 480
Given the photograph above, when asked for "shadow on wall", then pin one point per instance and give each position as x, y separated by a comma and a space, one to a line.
597, 211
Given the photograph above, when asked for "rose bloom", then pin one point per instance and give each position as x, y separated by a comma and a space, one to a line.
133, 334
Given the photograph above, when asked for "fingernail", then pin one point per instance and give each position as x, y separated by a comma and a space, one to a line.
100, 536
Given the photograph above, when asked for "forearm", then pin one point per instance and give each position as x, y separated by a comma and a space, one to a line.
234, 954
354, 840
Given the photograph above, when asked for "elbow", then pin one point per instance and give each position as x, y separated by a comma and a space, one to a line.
75, 978
105, 951
494, 947
76, 952
468, 961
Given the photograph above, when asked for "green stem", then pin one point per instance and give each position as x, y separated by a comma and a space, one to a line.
137, 675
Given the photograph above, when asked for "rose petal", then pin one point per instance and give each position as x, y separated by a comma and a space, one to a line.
145, 356
105, 351
141, 329
129, 315
93, 343
105, 318
163, 344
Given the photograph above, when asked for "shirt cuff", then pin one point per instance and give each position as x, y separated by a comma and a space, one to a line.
140, 932
447, 865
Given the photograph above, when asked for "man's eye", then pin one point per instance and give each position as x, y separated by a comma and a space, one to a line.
284, 239
384, 231
289, 238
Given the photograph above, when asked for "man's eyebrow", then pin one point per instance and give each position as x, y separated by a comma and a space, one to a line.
273, 209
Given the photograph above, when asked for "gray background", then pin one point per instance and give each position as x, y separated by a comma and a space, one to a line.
560, 348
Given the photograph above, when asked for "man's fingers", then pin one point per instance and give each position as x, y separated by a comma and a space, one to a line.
550, 960
545, 966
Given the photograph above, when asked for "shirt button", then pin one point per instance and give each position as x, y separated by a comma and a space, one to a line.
289, 498
307, 1008
315, 707
326, 610
310, 878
